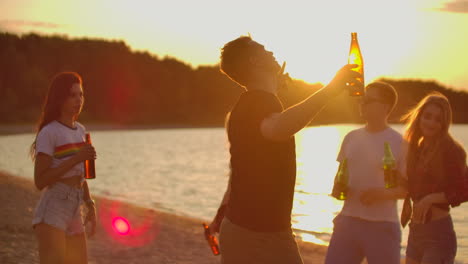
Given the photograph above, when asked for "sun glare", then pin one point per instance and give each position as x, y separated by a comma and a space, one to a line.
312, 209
315, 49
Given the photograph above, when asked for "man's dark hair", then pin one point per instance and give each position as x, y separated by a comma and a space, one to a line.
234, 59
386, 92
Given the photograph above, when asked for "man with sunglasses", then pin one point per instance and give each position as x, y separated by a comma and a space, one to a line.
368, 224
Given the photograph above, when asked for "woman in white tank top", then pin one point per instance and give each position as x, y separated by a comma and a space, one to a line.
59, 152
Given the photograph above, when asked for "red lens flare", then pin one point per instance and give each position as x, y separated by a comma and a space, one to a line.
121, 225
127, 224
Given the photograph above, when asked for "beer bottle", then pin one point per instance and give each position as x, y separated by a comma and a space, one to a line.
212, 241
355, 57
388, 162
340, 186
90, 171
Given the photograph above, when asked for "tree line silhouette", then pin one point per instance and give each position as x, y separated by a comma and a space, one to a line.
128, 87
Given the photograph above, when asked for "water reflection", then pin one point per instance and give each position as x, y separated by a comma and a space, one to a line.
313, 208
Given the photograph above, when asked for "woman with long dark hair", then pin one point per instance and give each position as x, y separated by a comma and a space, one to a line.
436, 166
59, 151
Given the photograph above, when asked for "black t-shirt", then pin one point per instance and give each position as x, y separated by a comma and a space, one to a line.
263, 171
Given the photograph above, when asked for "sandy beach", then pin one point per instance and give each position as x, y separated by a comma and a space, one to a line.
165, 238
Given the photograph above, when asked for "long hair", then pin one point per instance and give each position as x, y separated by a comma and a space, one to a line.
57, 93
413, 133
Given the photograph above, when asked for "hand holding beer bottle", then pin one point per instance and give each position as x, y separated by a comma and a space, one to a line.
355, 57
211, 239
340, 186
90, 170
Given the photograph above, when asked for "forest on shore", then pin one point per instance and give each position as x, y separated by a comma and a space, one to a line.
127, 87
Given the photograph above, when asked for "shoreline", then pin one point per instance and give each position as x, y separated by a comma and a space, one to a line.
164, 237
14, 129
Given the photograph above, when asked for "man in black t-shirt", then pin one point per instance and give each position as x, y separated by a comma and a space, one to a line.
256, 209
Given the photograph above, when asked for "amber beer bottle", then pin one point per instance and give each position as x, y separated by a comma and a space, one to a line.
388, 163
212, 241
340, 186
90, 170
355, 57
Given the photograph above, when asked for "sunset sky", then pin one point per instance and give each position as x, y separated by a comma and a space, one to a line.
417, 39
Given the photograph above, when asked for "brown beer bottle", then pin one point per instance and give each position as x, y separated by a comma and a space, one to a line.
340, 186
355, 57
90, 171
212, 241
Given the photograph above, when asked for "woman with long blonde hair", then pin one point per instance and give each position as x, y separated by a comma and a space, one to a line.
436, 165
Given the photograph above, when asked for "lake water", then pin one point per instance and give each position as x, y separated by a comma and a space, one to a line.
184, 171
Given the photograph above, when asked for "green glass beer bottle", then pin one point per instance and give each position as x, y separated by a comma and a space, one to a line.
388, 162
340, 186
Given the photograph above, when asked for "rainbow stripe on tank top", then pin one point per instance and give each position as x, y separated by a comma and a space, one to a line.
67, 150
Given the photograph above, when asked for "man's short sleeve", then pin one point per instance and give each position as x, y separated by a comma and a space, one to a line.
341, 155
256, 107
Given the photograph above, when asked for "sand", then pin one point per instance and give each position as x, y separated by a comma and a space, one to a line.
165, 238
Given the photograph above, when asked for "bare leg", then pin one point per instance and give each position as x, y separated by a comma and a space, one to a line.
76, 252
51, 244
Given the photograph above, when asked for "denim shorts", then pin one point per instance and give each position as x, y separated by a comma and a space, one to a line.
354, 239
433, 242
60, 207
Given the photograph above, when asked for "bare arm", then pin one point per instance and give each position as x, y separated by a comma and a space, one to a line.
396, 193
44, 175
226, 195
216, 223
422, 208
281, 126
372, 195
436, 198
454, 160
